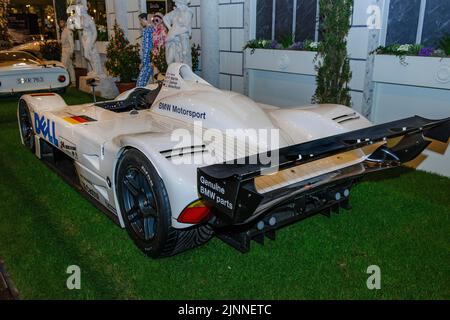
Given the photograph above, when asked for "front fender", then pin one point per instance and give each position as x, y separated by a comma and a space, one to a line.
44, 102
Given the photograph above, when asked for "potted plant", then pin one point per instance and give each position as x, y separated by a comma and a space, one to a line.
414, 64
159, 62
123, 60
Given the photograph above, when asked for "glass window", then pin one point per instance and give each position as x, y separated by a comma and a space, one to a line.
161, 6
436, 22
306, 20
264, 12
284, 13
403, 21
38, 17
280, 19
417, 21
97, 10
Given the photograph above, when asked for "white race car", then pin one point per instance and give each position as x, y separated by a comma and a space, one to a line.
21, 72
177, 162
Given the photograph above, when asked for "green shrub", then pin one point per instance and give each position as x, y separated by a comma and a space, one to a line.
159, 59
444, 44
195, 57
333, 67
287, 41
122, 58
51, 50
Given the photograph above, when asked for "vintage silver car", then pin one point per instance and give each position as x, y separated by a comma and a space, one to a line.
20, 72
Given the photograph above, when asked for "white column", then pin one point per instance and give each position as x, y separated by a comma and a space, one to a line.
210, 54
121, 11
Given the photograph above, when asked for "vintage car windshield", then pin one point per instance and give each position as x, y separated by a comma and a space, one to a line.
18, 57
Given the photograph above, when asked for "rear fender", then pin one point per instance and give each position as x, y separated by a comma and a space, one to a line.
179, 180
303, 124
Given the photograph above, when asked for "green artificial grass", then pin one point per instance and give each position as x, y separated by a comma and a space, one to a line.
400, 221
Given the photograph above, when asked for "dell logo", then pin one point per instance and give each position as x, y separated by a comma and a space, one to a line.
46, 128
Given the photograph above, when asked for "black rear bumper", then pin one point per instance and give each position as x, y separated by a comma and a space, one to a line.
230, 190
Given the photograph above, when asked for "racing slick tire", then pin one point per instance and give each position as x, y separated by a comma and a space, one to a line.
26, 126
146, 212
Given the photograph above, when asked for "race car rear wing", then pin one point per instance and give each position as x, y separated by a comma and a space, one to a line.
229, 188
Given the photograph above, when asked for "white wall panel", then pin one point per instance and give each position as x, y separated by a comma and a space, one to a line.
358, 74
237, 84
231, 34
281, 89
237, 39
360, 14
225, 39
357, 98
231, 16
231, 63
225, 82
358, 42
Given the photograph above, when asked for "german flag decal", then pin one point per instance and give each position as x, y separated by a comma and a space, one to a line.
79, 119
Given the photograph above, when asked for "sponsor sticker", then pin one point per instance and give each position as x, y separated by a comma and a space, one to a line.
68, 147
215, 193
172, 81
46, 128
89, 187
182, 111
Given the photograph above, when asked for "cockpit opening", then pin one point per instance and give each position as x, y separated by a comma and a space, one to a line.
139, 99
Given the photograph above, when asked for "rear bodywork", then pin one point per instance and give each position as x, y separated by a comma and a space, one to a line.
302, 183
21, 73
323, 150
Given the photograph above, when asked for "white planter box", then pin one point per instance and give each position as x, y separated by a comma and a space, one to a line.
428, 72
287, 61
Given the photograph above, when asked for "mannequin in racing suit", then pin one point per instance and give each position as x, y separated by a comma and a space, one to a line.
68, 47
147, 46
